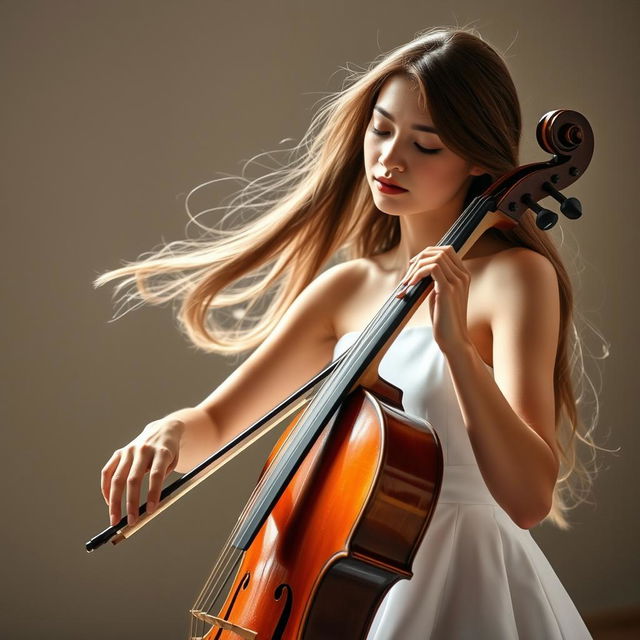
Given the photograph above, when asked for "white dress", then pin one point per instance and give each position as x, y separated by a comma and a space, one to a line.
476, 575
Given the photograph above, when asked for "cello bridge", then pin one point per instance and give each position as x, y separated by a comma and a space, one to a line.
247, 634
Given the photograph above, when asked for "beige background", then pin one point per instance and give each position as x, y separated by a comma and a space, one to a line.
111, 113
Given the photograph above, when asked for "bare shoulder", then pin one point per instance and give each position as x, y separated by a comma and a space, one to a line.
521, 264
342, 277
310, 318
334, 288
524, 288
504, 276
300, 345
360, 289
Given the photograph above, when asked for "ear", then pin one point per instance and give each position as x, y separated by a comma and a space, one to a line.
477, 171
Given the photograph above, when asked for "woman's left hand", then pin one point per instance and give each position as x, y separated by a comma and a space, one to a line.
449, 296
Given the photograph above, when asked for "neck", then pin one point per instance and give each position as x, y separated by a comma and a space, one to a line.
425, 229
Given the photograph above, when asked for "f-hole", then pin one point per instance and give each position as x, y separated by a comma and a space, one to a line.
286, 610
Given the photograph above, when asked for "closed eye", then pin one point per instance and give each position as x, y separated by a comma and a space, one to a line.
420, 148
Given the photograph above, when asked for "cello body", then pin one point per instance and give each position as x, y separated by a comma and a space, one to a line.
345, 529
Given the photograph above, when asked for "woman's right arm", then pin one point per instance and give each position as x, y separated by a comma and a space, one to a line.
299, 347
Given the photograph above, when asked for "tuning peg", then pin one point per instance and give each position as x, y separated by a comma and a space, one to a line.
545, 219
571, 207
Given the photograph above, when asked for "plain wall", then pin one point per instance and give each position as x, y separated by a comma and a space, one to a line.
111, 113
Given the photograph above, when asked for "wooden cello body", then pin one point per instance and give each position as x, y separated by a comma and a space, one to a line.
344, 531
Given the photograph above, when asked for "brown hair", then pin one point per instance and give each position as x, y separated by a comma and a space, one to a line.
318, 209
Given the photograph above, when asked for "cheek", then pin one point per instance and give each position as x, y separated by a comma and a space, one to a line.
370, 152
431, 173
441, 173
371, 166
436, 181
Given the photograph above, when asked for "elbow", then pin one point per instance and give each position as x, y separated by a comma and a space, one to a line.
528, 523
530, 518
537, 510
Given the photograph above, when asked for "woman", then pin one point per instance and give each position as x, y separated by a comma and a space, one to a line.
487, 363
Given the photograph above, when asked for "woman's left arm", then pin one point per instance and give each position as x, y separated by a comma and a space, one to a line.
510, 416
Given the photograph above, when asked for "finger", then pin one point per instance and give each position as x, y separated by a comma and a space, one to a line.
431, 300
416, 277
117, 486
414, 274
107, 474
410, 274
159, 469
402, 284
407, 273
451, 273
456, 266
454, 256
443, 273
422, 269
141, 463
412, 265
415, 259
439, 278
420, 261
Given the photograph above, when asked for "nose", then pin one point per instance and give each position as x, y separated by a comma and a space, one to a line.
389, 158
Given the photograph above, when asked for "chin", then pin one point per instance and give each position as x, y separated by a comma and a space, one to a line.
389, 211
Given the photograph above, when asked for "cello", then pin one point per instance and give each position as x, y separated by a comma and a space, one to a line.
347, 493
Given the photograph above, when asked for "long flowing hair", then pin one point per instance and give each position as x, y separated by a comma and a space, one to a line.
316, 210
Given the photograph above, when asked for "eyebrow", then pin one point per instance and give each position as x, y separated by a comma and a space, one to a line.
419, 127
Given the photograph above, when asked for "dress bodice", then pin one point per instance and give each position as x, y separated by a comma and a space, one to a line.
476, 573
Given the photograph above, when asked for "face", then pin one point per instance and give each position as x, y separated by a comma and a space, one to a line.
434, 177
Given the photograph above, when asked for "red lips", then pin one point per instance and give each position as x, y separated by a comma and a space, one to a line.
389, 182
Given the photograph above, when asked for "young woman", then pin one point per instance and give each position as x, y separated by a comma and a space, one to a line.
487, 362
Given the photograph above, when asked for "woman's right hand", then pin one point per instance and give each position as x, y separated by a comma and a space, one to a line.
155, 450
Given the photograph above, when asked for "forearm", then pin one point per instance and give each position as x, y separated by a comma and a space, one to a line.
201, 436
517, 465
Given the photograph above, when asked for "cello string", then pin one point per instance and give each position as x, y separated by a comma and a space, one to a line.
220, 573
221, 566
224, 573
202, 597
198, 621
384, 313
234, 564
208, 589
221, 558
224, 558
